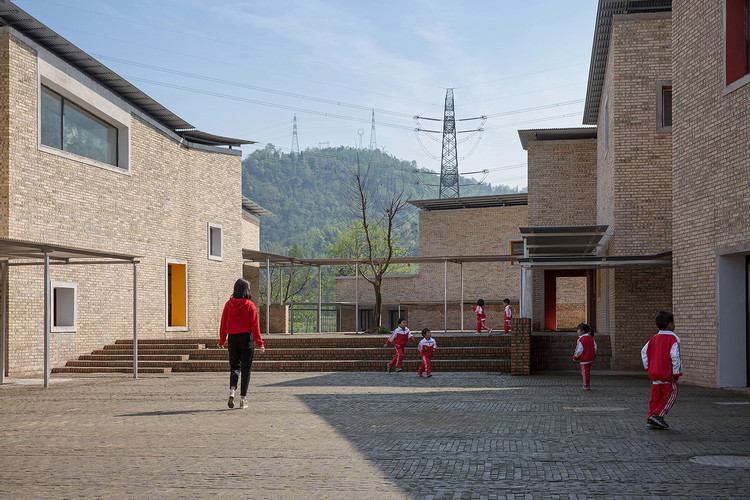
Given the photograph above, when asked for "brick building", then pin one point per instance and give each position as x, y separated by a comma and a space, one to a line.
711, 189
89, 161
481, 227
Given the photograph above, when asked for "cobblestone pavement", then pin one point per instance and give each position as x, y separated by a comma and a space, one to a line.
369, 435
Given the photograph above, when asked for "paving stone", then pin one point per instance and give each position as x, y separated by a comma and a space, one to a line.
369, 435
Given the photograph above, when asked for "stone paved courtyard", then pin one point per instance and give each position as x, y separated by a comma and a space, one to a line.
369, 435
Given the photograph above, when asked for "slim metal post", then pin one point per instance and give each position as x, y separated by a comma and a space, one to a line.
135, 319
47, 319
462, 296
356, 297
291, 301
268, 295
3, 332
320, 297
445, 296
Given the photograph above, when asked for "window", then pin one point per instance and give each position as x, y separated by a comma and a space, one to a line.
70, 128
737, 41
515, 247
214, 241
176, 295
664, 106
64, 307
606, 126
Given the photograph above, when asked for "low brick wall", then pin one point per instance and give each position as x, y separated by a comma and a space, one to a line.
554, 351
279, 318
520, 347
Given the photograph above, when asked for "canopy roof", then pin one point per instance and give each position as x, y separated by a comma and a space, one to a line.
284, 260
498, 200
562, 240
19, 249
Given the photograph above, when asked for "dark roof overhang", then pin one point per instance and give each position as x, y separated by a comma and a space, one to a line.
556, 134
499, 200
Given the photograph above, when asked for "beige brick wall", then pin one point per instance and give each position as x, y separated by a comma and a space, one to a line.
711, 183
4, 129
160, 211
562, 192
483, 231
634, 182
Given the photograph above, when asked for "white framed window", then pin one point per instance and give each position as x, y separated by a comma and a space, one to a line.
215, 241
64, 307
176, 295
79, 123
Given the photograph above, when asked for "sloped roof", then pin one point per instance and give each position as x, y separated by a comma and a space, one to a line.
498, 200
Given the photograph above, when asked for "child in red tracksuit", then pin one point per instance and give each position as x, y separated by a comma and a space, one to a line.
508, 315
426, 347
481, 317
661, 357
585, 353
400, 336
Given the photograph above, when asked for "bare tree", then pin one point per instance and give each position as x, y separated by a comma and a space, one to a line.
372, 238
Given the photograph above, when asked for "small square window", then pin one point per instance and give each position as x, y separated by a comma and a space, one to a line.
214, 241
515, 247
64, 307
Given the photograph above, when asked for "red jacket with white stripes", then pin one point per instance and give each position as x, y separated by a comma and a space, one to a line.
400, 336
585, 349
427, 347
661, 356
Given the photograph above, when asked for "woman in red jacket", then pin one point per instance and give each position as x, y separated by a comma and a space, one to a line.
239, 325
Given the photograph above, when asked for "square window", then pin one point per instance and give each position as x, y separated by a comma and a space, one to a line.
515, 247
214, 241
64, 307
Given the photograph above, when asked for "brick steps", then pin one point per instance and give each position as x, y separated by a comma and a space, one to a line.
334, 353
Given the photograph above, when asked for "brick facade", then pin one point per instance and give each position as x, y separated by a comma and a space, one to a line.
634, 181
711, 199
159, 208
475, 231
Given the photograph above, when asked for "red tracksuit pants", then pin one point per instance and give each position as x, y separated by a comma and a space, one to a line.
398, 358
586, 374
426, 366
506, 326
662, 398
481, 325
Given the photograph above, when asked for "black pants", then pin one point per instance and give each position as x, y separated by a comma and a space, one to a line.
241, 352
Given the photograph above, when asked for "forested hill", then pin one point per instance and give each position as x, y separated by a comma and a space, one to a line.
304, 192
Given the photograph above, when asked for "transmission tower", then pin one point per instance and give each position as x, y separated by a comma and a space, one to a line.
449, 161
295, 141
360, 132
373, 141
449, 178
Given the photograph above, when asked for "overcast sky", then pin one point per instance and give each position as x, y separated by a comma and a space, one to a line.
244, 68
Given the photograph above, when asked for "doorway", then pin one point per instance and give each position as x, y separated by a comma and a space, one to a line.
569, 298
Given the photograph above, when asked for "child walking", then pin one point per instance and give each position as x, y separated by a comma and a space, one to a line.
481, 317
585, 353
400, 336
508, 315
661, 357
426, 347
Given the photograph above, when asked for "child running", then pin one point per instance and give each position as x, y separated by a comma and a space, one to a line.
426, 347
661, 357
400, 336
481, 317
585, 353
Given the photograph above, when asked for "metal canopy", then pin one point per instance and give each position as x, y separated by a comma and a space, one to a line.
18, 249
23, 253
283, 260
600, 49
562, 240
597, 261
198, 137
500, 200
249, 207
555, 134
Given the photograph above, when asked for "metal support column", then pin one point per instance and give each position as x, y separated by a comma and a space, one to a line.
320, 297
445, 296
135, 319
268, 295
356, 297
47, 318
462, 296
3, 331
291, 301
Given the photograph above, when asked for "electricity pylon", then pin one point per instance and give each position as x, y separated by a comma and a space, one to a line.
373, 141
295, 141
